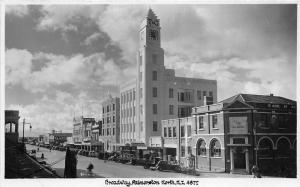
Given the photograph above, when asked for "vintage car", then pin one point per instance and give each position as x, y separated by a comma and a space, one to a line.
152, 162
138, 161
92, 154
163, 165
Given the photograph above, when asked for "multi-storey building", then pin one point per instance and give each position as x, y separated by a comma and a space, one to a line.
235, 134
110, 134
156, 93
82, 132
96, 132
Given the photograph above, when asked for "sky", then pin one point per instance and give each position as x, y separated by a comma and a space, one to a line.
61, 61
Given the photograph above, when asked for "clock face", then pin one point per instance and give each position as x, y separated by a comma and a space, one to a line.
153, 22
154, 34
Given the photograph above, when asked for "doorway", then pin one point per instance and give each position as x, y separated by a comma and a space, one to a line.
239, 159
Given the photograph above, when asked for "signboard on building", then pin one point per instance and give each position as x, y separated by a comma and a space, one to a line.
238, 125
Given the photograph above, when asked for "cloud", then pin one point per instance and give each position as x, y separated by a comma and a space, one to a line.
57, 113
17, 10
66, 17
92, 38
236, 75
79, 71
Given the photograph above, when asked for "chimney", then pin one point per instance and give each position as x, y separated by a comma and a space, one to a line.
271, 94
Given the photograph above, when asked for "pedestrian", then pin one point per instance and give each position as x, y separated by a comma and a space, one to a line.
256, 172
38, 149
42, 157
90, 168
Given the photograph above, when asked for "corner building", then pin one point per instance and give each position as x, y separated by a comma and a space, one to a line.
156, 93
237, 133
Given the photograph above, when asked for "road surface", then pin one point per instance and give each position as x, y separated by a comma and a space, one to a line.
113, 169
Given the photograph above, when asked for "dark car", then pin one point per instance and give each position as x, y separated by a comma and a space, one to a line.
151, 162
163, 165
139, 161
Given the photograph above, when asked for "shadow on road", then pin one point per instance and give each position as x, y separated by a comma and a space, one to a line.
80, 173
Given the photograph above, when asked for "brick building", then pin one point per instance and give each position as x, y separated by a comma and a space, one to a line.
235, 134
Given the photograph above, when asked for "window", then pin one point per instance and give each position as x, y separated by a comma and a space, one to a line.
214, 121
174, 131
170, 131
133, 128
141, 76
189, 150
113, 131
141, 92
154, 58
140, 60
154, 92
114, 107
182, 151
133, 94
107, 131
154, 108
171, 109
103, 110
130, 96
204, 93
264, 120
141, 109
199, 95
189, 131
210, 94
114, 119
201, 148
141, 126
182, 133
165, 131
171, 95
238, 141
107, 109
154, 75
201, 125
215, 148
154, 126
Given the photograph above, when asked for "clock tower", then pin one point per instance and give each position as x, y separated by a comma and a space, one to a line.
150, 30
150, 77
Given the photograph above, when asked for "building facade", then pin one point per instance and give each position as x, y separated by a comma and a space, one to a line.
11, 126
110, 135
156, 93
237, 133
82, 132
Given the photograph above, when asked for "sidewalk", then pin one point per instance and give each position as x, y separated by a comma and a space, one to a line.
21, 165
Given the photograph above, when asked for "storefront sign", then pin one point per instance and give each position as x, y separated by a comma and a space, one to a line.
238, 125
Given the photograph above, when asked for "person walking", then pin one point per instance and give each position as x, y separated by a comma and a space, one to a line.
256, 172
42, 157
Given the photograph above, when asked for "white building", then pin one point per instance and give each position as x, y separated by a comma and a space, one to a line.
156, 93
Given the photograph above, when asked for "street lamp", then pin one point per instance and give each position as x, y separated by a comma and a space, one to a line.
24, 127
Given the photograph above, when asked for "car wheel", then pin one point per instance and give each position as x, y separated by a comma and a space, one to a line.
159, 168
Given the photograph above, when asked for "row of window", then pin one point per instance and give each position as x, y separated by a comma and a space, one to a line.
128, 97
109, 108
128, 112
215, 148
108, 131
214, 119
108, 119
204, 93
171, 131
128, 127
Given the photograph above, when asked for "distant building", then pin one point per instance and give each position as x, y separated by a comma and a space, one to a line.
82, 132
110, 123
11, 126
96, 130
157, 93
235, 134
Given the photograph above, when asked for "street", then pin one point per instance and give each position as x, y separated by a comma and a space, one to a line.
113, 169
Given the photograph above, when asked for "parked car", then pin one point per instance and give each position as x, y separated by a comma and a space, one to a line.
92, 154
139, 161
32, 153
163, 165
150, 163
